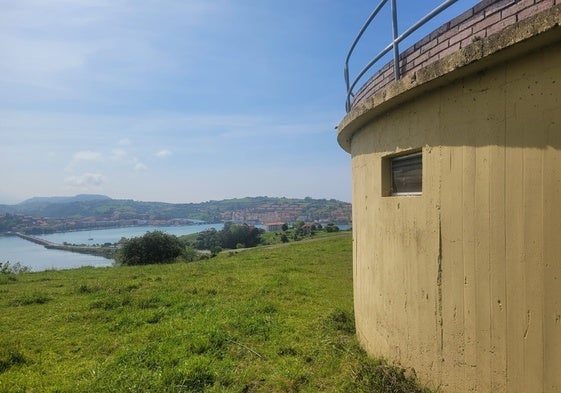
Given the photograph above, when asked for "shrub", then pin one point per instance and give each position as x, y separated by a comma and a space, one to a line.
331, 228
189, 254
15, 268
230, 237
151, 248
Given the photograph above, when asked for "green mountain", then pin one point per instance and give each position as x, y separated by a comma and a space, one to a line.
65, 199
251, 209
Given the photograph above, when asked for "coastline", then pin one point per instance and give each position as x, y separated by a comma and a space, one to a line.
105, 251
82, 241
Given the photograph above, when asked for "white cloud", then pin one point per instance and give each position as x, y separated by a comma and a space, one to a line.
163, 153
105, 85
74, 49
85, 181
87, 155
139, 166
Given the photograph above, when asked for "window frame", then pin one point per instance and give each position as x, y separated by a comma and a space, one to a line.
388, 173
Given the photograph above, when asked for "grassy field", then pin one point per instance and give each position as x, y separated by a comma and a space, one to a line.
271, 319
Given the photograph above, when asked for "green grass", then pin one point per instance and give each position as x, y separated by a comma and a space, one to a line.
275, 319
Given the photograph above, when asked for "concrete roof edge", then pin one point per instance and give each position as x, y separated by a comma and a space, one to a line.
532, 33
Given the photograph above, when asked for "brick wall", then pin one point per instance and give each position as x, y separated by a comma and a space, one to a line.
481, 21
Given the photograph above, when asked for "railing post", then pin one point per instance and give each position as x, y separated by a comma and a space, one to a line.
397, 73
393, 45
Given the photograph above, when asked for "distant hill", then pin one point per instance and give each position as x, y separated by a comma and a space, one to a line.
256, 210
65, 199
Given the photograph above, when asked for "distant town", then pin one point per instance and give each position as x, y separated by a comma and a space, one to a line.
83, 212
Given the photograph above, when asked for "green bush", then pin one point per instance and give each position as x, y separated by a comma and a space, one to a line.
230, 237
151, 248
13, 268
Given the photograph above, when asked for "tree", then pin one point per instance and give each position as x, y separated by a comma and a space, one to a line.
189, 254
230, 237
151, 248
207, 240
240, 236
301, 229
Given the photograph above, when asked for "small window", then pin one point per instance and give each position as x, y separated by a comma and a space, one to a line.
403, 174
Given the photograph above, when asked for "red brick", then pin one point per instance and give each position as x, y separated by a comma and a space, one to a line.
389, 72
422, 58
498, 6
513, 10
441, 30
479, 33
451, 49
460, 36
437, 49
537, 8
545, 4
447, 34
501, 25
366, 92
407, 53
486, 22
412, 56
380, 83
407, 65
467, 41
461, 18
520, 5
428, 45
423, 42
483, 5
470, 22
413, 67
405, 68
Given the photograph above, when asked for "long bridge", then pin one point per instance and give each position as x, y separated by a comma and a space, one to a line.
36, 240
106, 252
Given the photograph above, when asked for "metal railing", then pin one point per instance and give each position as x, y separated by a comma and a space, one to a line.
394, 44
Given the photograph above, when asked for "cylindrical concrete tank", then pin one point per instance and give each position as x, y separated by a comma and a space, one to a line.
461, 279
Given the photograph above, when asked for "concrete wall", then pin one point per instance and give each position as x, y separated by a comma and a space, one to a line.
463, 283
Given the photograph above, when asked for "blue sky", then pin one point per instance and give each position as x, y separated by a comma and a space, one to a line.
180, 100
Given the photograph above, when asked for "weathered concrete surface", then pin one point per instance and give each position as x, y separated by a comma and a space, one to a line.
463, 283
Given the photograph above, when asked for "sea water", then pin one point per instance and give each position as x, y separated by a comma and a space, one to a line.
14, 249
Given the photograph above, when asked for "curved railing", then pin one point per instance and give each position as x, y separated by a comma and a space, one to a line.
394, 44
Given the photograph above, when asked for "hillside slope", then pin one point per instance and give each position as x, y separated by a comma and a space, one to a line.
262, 320
251, 209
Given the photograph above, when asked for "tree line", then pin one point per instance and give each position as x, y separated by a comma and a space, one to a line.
159, 247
